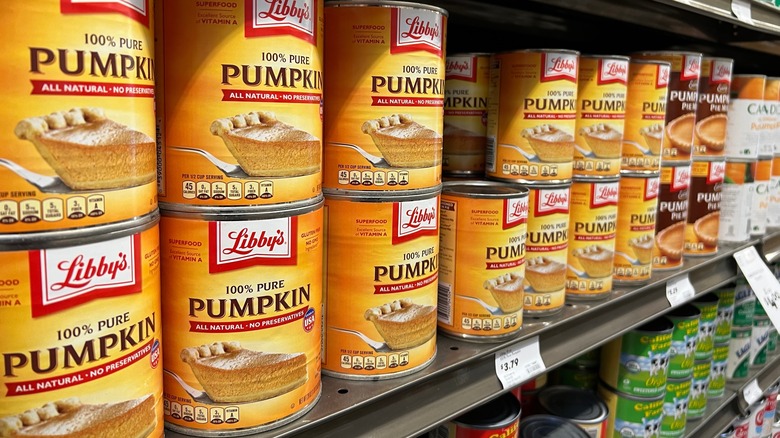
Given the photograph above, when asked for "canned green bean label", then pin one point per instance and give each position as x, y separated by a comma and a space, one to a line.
675, 407
720, 357
738, 362
697, 403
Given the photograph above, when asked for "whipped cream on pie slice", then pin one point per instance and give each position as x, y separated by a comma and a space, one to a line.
507, 291
402, 323
550, 143
545, 274
403, 142
604, 140
654, 137
595, 260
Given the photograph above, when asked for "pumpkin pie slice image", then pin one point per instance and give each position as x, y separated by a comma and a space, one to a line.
670, 240
404, 142
545, 274
89, 151
507, 290
654, 137
402, 323
711, 131
461, 141
604, 140
550, 143
230, 373
643, 248
706, 228
680, 132
265, 146
595, 260
70, 418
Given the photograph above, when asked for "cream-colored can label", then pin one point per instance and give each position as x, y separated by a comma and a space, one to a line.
703, 221
592, 228
635, 235
646, 99
745, 110
531, 115
382, 269
82, 331
78, 133
243, 316
242, 102
383, 116
601, 111
671, 218
773, 207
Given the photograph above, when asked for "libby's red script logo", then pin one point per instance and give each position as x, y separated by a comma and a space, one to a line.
549, 201
613, 71
720, 72
240, 244
461, 67
717, 172
602, 194
652, 185
415, 29
664, 70
138, 10
413, 219
281, 17
681, 178
515, 212
559, 66
691, 68
62, 278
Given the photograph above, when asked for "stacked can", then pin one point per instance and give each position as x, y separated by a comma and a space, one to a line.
705, 341
686, 319
721, 340
79, 244
532, 109
646, 96
239, 118
760, 336
738, 364
382, 155
582, 406
772, 132
580, 372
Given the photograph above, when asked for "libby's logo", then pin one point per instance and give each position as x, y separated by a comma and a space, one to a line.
551, 201
461, 67
681, 178
559, 66
717, 172
691, 68
612, 72
651, 188
62, 278
662, 80
720, 72
138, 10
413, 219
414, 29
515, 212
602, 194
240, 244
281, 17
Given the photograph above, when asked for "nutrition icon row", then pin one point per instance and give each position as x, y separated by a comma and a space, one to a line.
373, 178
374, 362
234, 190
200, 414
488, 324
52, 210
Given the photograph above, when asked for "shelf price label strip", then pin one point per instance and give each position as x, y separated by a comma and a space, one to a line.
519, 363
679, 290
742, 10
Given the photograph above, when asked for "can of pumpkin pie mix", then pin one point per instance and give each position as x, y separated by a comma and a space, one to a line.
701, 226
646, 94
240, 119
466, 80
78, 126
681, 103
709, 133
532, 109
736, 200
381, 283
635, 234
482, 236
593, 216
384, 115
745, 104
85, 308
601, 111
243, 314
672, 216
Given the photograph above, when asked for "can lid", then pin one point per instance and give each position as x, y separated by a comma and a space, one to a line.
573, 403
708, 298
550, 426
660, 324
498, 412
387, 3
685, 311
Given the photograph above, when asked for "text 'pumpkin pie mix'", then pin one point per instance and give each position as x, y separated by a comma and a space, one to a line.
670, 240
402, 323
711, 131
604, 140
680, 132
507, 290
706, 228
404, 142
230, 373
545, 275
643, 248
654, 137
70, 418
595, 260
265, 146
90, 151
550, 143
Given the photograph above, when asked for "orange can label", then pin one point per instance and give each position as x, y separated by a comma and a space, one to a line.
592, 238
382, 272
242, 102
637, 208
383, 121
83, 329
531, 115
672, 216
242, 298
709, 134
601, 111
547, 249
78, 132
482, 266
746, 105
701, 228
648, 83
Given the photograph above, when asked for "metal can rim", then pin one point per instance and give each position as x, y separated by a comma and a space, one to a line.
248, 213
387, 3
503, 190
371, 196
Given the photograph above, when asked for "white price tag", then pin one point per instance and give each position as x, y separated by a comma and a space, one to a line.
752, 393
520, 362
679, 290
741, 10
764, 284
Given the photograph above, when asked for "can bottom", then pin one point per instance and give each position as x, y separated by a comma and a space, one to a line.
374, 377
480, 339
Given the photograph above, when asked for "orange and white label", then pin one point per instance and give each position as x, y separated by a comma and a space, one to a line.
773, 209
648, 83
531, 115
634, 239
84, 321
383, 122
736, 202
769, 120
746, 107
601, 111
709, 133
760, 200
593, 223
100, 59
672, 217
256, 284
382, 257
241, 87
703, 221
482, 263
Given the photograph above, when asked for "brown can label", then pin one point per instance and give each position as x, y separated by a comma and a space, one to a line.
547, 249
79, 126
382, 272
242, 298
465, 114
383, 123
531, 115
709, 137
634, 239
593, 223
672, 217
745, 110
601, 111
701, 228
83, 332
648, 83
681, 103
